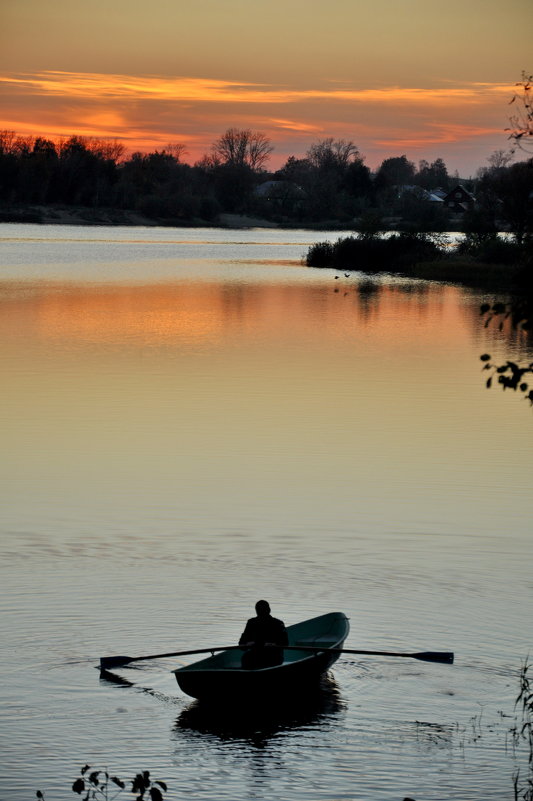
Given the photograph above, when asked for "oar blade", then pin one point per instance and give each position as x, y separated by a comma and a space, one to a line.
108, 662
435, 656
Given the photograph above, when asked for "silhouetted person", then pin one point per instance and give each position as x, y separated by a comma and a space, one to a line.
265, 637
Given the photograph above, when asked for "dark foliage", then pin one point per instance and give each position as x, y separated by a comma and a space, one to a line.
519, 313
373, 255
98, 785
433, 176
332, 185
491, 249
505, 199
395, 171
521, 130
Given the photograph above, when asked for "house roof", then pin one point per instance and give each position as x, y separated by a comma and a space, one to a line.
459, 188
278, 189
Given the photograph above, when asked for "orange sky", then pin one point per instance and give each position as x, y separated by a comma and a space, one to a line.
419, 77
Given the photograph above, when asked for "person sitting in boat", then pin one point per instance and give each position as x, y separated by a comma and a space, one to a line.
264, 638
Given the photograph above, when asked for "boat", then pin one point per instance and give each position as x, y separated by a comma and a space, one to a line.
221, 676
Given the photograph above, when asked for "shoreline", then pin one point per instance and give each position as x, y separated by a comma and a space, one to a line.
37, 214
82, 215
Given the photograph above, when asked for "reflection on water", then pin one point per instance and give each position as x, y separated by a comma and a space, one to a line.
183, 314
191, 422
260, 722
434, 735
107, 676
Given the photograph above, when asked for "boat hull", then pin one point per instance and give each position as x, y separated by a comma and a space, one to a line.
220, 677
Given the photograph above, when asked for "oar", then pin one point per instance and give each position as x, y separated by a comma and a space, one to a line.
425, 656
108, 662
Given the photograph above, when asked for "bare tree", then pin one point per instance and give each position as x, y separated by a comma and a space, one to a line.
500, 158
521, 130
23, 145
259, 150
109, 149
333, 153
242, 148
106, 149
208, 161
176, 150
7, 140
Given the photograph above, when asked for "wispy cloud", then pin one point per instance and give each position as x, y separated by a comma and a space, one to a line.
148, 111
296, 127
100, 86
437, 134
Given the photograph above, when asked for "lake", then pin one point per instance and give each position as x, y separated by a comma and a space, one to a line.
191, 420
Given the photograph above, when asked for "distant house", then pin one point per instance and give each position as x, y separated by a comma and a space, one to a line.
434, 197
281, 195
459, 199
420, 193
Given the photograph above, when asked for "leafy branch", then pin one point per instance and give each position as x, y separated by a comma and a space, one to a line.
521, 130
98, 785
509, 375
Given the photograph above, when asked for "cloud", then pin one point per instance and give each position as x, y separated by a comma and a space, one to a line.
148, 111
296, 127
437, 134
100, 86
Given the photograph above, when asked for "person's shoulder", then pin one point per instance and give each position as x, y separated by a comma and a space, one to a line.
278, 622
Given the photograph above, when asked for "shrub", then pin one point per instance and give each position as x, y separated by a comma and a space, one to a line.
320, 255
490, 249
393, 254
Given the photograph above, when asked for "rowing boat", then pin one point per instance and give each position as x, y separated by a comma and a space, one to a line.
222, 677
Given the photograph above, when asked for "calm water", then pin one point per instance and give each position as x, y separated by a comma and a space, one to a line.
191, 420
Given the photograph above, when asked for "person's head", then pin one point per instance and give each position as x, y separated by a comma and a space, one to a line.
262, 608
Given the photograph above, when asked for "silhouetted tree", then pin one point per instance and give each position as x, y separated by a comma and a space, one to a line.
296, 170
514, 187
432, 176
37, 172
233, 184
332, 154
500, 158
243, 148
87, 171
395, 171
335, 178
176, 150
357, 182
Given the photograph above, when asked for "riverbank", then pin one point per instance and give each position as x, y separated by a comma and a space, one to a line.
59, 214
83, 215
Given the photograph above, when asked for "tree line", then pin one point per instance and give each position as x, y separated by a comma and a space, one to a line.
330, 183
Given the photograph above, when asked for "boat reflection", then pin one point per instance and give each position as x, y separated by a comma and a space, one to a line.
266, 719
107, 677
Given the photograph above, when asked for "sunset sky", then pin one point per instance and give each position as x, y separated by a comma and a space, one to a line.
421, 77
